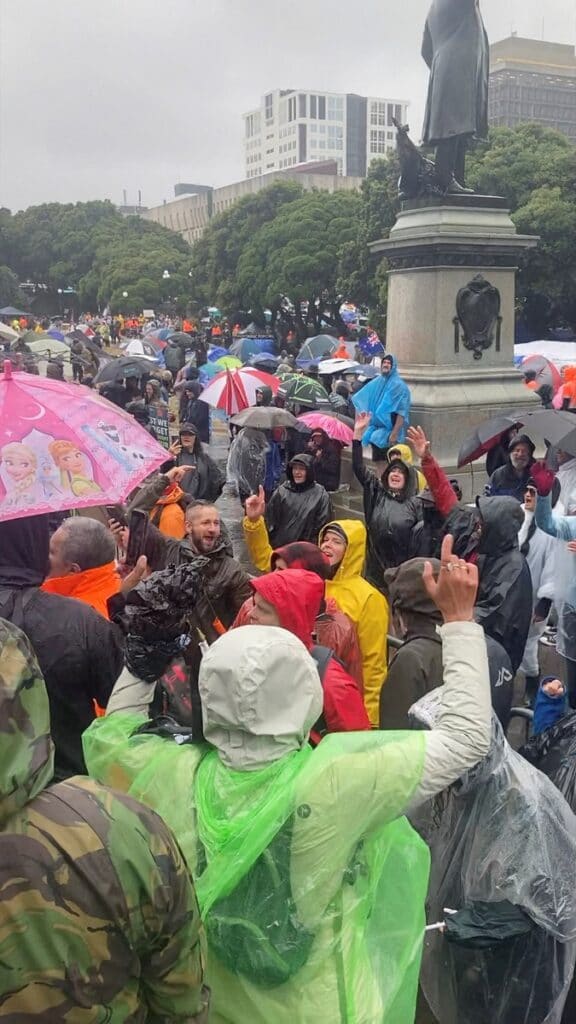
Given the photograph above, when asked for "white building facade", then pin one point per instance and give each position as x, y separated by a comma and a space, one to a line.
294, 127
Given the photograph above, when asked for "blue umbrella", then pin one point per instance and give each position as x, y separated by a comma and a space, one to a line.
56, 334
164, 333
244, 348
217, 352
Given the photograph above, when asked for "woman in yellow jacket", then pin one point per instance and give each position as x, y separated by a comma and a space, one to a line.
344, 544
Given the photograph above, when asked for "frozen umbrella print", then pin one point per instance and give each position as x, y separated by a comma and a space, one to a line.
63, 446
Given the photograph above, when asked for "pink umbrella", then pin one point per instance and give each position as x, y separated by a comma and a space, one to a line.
330, 425
63, 446
235, 390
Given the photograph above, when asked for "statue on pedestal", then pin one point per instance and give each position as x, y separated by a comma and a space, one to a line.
455, 48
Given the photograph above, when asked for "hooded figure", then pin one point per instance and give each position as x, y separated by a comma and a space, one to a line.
264, 395
194, 411
503, 847
205, 482
417, 668
386, 397
297, 597
504, 603
332, 628
246, 466
298, 510
327, 455
359, 600
512, 478
95, 893
392, 509
301, 856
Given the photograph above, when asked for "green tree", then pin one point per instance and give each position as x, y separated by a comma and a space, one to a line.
10, 294
297, 254
215, 256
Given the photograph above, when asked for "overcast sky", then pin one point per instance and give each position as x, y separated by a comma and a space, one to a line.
139, 94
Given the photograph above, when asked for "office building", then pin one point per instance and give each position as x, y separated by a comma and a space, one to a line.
294, 127
194, 206
533, 81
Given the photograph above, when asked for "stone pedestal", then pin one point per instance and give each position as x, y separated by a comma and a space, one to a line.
436, 247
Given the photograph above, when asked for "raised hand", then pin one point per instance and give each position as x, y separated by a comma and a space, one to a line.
418, 441
255, 506
542, 477
454, 592
176, 474
361, 424
135, 576
175, 449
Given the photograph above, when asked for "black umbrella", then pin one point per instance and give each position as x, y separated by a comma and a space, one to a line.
487, 434
555, 426
182, 339
305, 391
264, 417
265, 361
125, 366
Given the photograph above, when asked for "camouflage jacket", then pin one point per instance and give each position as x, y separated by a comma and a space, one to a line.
98, 917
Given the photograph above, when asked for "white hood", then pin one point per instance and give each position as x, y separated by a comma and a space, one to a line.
261, 694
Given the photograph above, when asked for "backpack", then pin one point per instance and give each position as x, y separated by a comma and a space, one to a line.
261, 939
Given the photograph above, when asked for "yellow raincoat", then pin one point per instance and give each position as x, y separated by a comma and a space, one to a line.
361, 602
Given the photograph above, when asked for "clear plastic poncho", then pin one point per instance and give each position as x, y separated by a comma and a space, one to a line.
501, 838
351, 873
246, 467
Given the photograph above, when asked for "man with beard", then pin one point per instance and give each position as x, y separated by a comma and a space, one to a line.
512, 478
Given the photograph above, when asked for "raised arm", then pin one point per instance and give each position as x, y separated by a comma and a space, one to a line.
360, 427
439, 484
256, 532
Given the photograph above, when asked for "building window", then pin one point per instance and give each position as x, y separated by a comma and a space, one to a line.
378, 115
269, 107
335, 137
292, 108
335, 108
302, 105
321, 108
398, 113
377, 141
314, 106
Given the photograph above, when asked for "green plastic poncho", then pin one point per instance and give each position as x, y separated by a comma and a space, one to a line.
358, 872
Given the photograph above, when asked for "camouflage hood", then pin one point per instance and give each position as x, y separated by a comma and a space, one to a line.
27, 754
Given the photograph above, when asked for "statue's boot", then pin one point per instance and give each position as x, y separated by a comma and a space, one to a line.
456, 189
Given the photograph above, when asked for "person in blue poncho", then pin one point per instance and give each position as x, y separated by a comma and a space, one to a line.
388, 399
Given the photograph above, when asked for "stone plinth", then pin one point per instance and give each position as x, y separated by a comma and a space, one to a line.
435, 249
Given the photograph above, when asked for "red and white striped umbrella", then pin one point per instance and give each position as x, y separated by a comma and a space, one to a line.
235, 390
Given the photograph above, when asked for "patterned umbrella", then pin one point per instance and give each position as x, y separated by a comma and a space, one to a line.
63, 446
335, 429
305, 391
235, 390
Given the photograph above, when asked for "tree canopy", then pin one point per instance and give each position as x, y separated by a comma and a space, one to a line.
92, 249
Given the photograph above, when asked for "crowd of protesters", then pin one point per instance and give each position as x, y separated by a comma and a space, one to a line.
248, 790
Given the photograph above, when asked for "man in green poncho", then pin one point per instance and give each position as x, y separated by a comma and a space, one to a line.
98, 919
310, 882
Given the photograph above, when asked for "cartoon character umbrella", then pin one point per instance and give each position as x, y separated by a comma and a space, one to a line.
235, 390
63, 446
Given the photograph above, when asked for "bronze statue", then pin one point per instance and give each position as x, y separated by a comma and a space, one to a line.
455, 48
